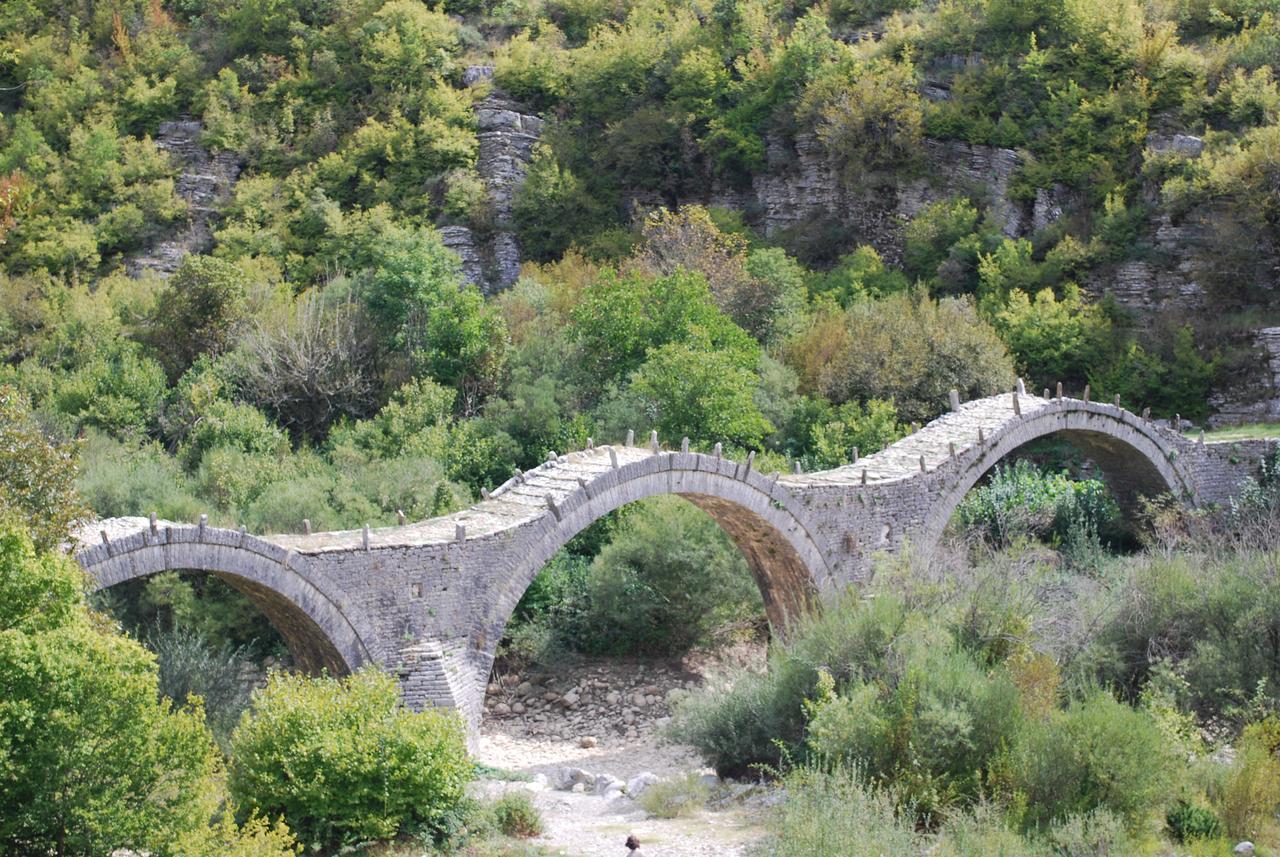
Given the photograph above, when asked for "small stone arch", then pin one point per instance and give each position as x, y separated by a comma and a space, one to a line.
316, 623
759, 515
1136, 460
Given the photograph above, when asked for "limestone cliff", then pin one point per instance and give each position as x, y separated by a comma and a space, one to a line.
507, 133
205, 183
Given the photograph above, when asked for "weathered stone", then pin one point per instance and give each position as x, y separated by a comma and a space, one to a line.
431, 608
637, 784
204, 183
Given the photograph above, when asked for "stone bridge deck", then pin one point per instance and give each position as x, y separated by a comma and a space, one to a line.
429, 600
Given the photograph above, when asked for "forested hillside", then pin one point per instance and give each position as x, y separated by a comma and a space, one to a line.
901, 198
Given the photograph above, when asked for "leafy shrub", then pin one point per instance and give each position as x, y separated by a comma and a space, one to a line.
121, 478
1251, 794
1187, 821
199, 312
91, 757
1201, 613
118, 390
189, 664
1099, 833
515, 815
37, 477
930, 722
667, 579
676, 797
907, 348
758, 719
401, 771
1022, 500
1096, 754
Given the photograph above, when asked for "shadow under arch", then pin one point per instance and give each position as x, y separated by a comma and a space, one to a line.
317, 626
1134, 460
785, 559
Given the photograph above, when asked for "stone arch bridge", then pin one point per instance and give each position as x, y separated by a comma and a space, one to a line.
429, 601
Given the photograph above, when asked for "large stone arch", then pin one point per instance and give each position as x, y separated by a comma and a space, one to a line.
321, 629
761, 516
1136, 457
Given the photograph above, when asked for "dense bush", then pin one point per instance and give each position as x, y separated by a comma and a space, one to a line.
1097, 753
37, 477
1021, 500
190, 665
92, 757
906, 347
667, 578
400, 771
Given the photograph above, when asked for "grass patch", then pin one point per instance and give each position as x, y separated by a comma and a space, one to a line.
1251, 431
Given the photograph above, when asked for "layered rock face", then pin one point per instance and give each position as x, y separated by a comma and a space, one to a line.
1258, 401
507, 134
801, 184
205, 183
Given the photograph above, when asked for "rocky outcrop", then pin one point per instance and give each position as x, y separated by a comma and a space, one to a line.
801, 185
507, 133
205, 183
1260, 400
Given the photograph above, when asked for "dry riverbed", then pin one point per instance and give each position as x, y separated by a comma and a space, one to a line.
580, 740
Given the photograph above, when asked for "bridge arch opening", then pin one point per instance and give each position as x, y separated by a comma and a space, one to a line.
784, 559
313, 623
1130, 458
309, 647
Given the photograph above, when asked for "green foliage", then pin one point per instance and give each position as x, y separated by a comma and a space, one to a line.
762, 717
906, 348
411, 288
91, 758
1187, 821
707, 396
37, 475
835, 812
553, 209
1203, 616
1053, 338
620, 320
198, 312
667, 579
515, 815
1022, 500
1098, 753
676, 797
303, 734
867, 428
189, 665
118, 390
867, 115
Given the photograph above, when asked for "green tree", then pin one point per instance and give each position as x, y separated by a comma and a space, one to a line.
702, 394
399, 771
91, 758
37, 476
199, 312
619, 319
412, 288
668, 578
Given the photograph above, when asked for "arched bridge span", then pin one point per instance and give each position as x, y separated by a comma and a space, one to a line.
429, 600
